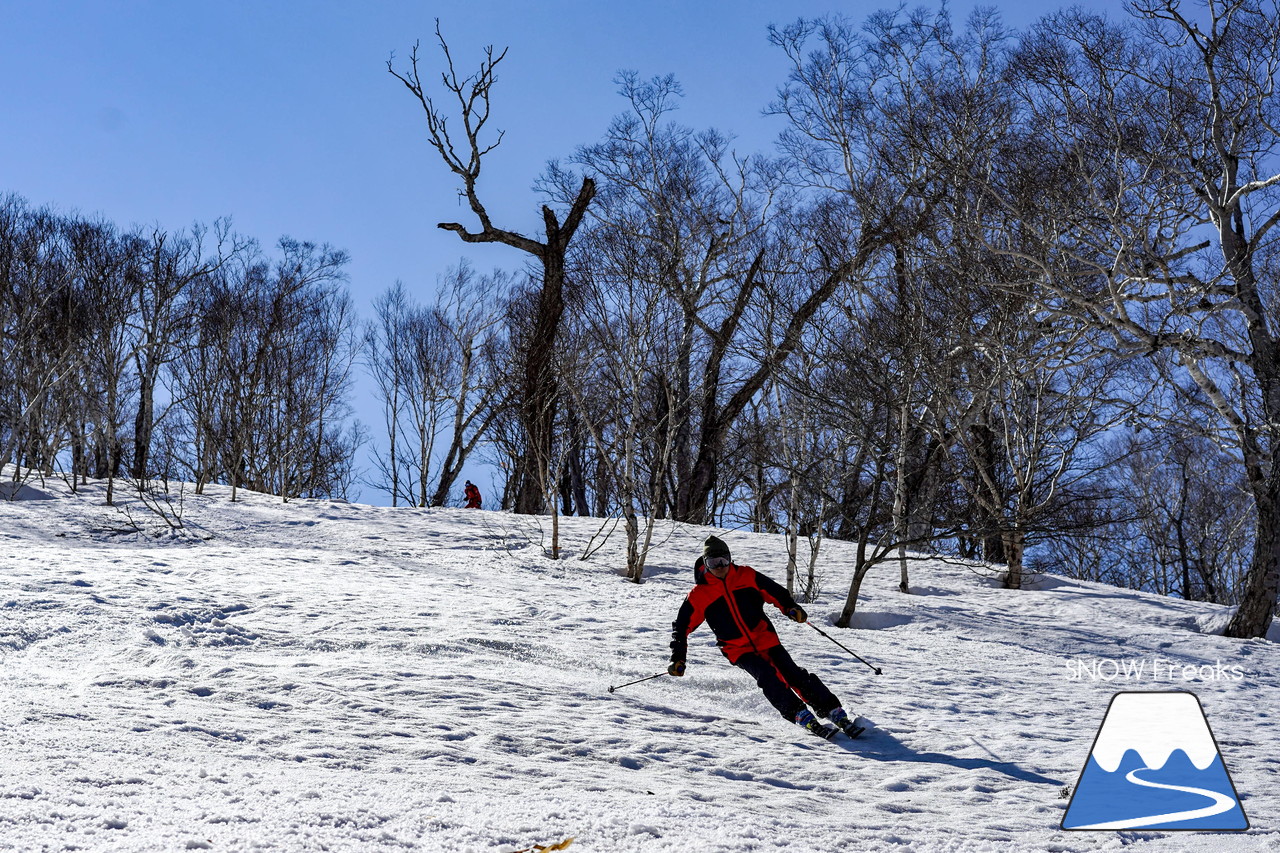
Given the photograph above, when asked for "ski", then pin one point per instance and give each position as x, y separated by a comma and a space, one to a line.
852, 730
850, 727
819, 730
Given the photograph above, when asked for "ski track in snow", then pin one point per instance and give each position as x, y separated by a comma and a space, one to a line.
320, 675
1221, 803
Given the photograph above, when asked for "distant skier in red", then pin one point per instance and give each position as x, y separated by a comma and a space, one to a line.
473, 495
730, 599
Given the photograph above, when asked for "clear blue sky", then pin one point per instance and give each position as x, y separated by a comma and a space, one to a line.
281, 114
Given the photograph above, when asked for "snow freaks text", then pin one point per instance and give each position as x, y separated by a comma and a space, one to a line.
1158, 669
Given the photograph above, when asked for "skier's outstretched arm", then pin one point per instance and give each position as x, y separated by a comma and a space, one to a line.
687, 620
777, 595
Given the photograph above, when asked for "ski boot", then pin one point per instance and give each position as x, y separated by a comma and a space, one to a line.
807, 721
845, 723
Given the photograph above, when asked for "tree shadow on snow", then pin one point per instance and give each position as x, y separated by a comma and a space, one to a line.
878, 745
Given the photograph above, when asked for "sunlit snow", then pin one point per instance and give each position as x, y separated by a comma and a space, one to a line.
329, 676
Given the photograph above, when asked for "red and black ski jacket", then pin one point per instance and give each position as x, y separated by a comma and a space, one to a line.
734, 609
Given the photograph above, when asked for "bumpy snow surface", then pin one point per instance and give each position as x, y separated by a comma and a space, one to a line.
325, 676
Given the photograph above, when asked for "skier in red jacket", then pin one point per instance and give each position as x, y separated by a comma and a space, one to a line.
730, 599
472, 493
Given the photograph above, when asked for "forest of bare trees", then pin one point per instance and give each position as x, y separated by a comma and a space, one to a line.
1003, 295
153, 356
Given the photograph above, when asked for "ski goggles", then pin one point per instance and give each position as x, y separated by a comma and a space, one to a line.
717, 562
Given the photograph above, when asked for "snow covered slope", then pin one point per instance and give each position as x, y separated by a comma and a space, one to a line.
319, 675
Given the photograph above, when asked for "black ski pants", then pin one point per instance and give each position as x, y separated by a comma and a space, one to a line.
787, 685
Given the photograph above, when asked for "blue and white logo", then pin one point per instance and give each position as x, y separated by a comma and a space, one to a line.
1155, 765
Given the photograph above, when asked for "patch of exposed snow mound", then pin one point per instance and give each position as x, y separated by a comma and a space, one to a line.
871, 621
1215, 623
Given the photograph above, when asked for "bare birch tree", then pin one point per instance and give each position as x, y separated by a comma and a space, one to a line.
171, 263
1185, 144
620, 379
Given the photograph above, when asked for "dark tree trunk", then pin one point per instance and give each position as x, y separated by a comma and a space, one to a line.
1261, 584
602, 485
1262, 461
565, 490
539, 386
577, 484
988, 507
143, 426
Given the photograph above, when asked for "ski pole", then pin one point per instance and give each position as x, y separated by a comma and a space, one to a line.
874, 669
637, 681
